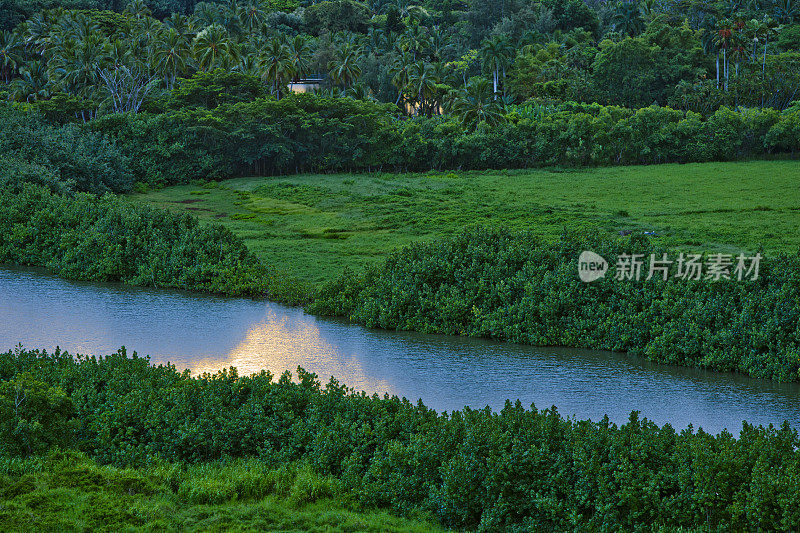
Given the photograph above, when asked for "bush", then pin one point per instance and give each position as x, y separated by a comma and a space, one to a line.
33, 416
511, 286
107, 238
61, 157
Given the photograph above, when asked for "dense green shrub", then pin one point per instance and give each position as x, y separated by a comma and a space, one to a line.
297, 133
33, 416
511, 286
106, 238
517, 469
62, 157
307, 133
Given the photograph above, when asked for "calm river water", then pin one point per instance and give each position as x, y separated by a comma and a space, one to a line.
207, 333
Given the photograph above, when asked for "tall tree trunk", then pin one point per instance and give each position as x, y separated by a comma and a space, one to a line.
725, 67
717, 69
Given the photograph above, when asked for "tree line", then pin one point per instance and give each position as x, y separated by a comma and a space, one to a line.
462, 58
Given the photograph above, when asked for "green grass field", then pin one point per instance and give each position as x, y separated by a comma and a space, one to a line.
68, 492
312, 226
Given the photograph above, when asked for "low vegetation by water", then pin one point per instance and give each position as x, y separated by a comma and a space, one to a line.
313, 226
85, 237
516, 287
214, 449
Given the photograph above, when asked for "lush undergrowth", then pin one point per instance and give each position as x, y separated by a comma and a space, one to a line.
104, 238
313, 226
516, 287
517, 469
70, 492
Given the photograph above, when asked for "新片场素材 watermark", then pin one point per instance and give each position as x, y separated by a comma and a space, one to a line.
688, 266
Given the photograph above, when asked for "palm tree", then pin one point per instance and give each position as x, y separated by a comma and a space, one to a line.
723, 40
275, 65
183, 25
251, 16
212, 48
360, 91
208, 14
422, 83
138, 9
439, 44
74, 66
767, 30
400, 70
414, 41
477, 104
739, 44
32, 83
787, 11
171, 56
37, 31
344, 69
10, 54
495, 56
627, 19
299, 52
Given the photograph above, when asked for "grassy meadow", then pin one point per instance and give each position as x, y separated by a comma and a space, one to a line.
312, 226
69, 492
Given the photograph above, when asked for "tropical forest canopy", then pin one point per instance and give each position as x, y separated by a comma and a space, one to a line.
468, 58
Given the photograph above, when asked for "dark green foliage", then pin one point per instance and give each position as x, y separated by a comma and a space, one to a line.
107, 239
61, 157
337, 15
212, 89
307, 133
514, 470
297, 133
492, 283
572, 14
33, 416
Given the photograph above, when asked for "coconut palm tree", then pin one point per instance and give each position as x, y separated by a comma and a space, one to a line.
275, 65
183, 25
74, 65
37, 31
171, 57
251, 16
495, 55
477, 104
627, 19
138, 9
32, 83
345, 69
213, 48
10, 54
422, 83
299, 55
400, 70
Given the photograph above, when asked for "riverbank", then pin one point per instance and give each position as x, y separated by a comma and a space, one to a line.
516, 468
205, 333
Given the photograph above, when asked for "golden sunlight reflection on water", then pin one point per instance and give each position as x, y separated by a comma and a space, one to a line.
278, 344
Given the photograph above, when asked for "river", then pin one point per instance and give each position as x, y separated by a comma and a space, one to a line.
206, 333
